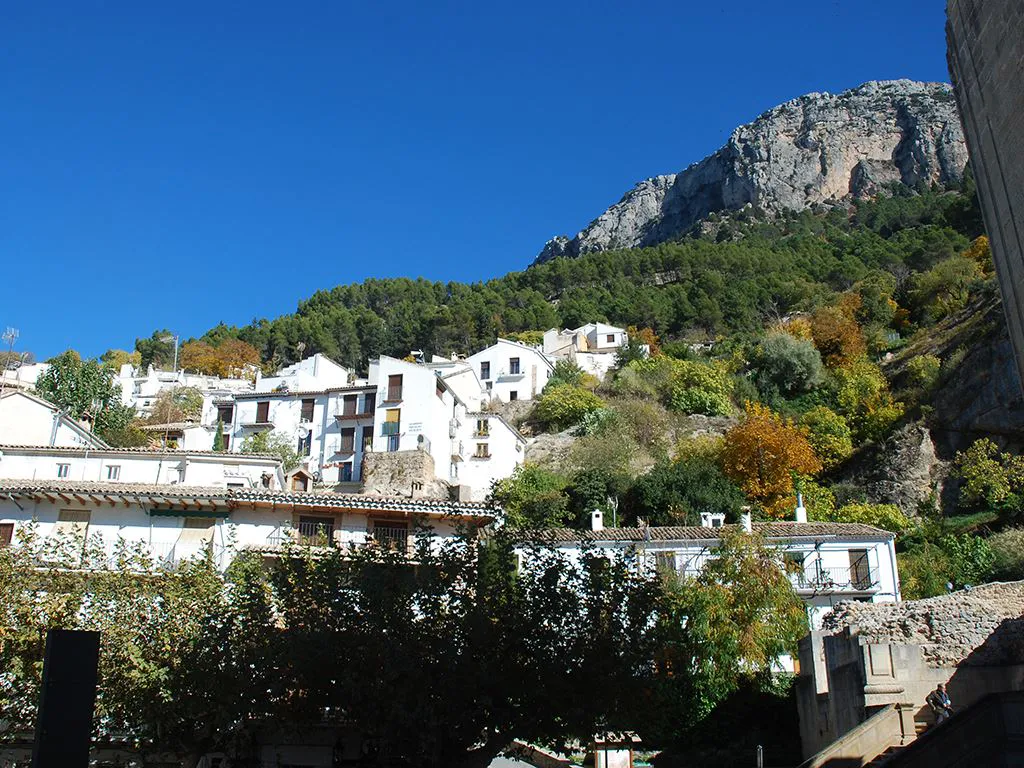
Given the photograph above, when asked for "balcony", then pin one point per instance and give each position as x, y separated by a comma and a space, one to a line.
257, 425
829, 580
353, 415
392, 538
389, 395
390, 428
458, 450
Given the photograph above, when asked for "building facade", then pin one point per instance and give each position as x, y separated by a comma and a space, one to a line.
986, 61
512, 371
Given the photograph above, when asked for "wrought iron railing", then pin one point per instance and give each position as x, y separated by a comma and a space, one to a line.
835, 579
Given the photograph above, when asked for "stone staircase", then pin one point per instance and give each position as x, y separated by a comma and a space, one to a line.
882, 758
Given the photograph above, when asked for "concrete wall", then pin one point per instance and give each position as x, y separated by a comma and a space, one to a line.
24, 420
986, 61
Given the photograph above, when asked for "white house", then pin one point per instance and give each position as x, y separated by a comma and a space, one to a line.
170, 523
512, 371
26, 419
315, 372
826, 562
592, 347
20, 375
141, 465
400, 406
140, 389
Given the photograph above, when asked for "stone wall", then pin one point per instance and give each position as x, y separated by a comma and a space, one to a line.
979, 626
405, 474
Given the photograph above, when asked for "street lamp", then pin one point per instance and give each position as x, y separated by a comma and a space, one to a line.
173, 338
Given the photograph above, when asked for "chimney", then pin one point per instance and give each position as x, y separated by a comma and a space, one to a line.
801, 510
596, 520
745, 520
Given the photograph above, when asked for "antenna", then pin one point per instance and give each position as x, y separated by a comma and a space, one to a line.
10, 335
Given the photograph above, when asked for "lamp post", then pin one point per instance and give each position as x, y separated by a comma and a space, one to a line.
174, 383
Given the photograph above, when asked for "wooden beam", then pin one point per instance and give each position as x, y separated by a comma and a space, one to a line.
64, 498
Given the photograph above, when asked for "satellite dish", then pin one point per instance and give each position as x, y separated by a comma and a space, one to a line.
303, 432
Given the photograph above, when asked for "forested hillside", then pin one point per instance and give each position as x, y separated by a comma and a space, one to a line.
729, 279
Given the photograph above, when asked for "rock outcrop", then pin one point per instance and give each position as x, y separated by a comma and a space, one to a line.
818, 149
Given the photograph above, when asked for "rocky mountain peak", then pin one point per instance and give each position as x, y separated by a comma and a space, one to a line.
820, 148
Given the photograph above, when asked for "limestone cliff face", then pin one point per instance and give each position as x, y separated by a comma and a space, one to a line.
820, 148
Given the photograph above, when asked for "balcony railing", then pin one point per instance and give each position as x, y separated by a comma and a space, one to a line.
389, 428
315, 534
391, 537
835, 580
353, 415
458, 450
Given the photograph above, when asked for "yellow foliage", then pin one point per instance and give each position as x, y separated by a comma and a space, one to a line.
980, 252
762, 453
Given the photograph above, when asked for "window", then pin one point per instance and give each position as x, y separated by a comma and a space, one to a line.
196, 534
73, 522
367, 439
113, 471
665, 561
307, 410
439, 389
610, 338
395, 387
482, 451
348, 439
6, 534
483, 427
345, 476
318, 531
392, 422
348, 405
226, 413
793, 562
305, 444
227, 441
513, 366
490, 385
485, 370
513, 395
369, 402
392, 443
391, 535
63, 470
299, 482
860, 573
263, 412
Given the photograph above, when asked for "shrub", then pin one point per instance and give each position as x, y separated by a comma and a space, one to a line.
564, 406
701, 388
863, 396
1008, 554
888, 517
923, 372
675, 493
970, 558
792, 365
992, 480
566, 372
829, 435
533, 497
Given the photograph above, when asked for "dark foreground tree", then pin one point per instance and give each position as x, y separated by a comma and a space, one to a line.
441, 660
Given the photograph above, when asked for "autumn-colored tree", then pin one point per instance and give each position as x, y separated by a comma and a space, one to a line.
798, 327
980, 252
761, 454
836, 333
232, 358
862, 393
645, 336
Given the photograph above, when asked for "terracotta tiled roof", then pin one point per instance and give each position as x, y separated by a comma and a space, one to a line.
245, 496
305, 392
773, 530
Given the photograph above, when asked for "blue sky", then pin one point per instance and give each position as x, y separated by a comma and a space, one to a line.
179, 164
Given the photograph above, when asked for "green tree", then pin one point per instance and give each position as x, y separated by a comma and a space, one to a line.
675, 493
888, 517
566, 372
273, 443
533, 497
787, 364
157, 350
177, 404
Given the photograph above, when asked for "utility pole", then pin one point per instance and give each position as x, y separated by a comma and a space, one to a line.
174, 384
10, 336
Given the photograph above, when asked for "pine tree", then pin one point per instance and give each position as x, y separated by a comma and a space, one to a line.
218, 436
